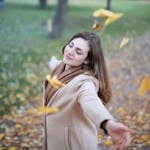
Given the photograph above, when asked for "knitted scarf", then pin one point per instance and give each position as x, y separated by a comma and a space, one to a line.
62, 75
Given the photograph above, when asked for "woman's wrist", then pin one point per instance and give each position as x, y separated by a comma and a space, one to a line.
103, 126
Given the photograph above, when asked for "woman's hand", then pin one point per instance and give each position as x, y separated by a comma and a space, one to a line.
120, 134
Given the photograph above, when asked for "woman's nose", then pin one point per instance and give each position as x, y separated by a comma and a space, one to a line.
71, 51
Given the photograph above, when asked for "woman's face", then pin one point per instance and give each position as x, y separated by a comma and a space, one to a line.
76, 52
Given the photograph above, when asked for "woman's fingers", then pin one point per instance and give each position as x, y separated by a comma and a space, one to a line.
122, 142
120, 134
127, 139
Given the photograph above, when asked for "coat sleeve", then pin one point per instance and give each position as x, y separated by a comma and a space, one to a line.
53, 63
92, 105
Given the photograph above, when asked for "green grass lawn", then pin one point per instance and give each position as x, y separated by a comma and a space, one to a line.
25, 47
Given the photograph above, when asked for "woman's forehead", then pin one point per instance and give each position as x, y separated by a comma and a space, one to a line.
80, 43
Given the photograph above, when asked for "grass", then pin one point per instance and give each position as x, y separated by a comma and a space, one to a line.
25, 47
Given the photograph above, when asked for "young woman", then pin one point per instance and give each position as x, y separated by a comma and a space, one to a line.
82, 100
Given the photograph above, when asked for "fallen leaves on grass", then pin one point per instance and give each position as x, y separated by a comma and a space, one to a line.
25, 131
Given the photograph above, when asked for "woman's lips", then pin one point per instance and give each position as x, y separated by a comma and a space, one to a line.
68, 57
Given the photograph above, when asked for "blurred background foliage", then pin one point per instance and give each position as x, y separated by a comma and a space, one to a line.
25, 47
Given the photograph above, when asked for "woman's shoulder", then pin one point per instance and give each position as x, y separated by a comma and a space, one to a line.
86, 78
53, 63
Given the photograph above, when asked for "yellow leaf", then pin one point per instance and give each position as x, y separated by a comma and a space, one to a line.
6, 116
48, 77
121, 111
145, 86
20, 96
54, 81
1, 136
96, 26
57, 82
41, 110
148, 142
124, 42
102, 13
145, 137
108, 142
18, 126
12, 148
48, 109
112, 18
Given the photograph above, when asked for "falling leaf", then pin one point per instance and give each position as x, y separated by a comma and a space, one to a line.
145, 86
102, 13
48, 109
42, 109
112, 18
54, 81
124, 42
49, 25
96, 26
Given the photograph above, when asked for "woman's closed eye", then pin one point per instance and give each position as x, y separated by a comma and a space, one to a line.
78, 51
70, 45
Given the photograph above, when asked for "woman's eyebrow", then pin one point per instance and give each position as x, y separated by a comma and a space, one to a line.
71, 43
76, 47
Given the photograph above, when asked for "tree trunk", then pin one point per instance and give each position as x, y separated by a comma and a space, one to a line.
2, 4
59, 19
42, 4
108, 5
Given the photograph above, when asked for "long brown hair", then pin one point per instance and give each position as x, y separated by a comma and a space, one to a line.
96, 63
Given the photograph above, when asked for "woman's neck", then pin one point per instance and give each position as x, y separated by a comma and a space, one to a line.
67, 67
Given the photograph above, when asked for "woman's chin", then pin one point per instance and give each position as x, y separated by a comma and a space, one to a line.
66, 61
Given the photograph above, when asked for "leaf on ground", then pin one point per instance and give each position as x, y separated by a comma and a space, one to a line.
1, 136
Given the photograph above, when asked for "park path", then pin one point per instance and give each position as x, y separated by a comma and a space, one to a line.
126, 68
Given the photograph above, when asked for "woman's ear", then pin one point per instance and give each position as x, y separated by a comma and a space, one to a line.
86, 61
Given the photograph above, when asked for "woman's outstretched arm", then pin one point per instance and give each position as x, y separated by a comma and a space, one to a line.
120, 134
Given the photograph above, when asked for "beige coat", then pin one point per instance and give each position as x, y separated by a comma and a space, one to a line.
80, 114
